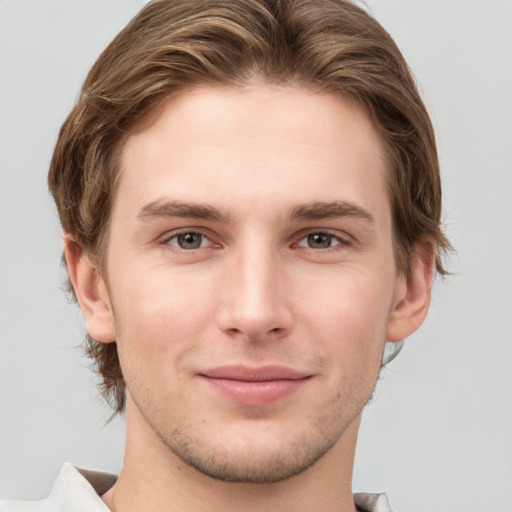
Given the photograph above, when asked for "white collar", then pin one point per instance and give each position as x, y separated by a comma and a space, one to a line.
80, 490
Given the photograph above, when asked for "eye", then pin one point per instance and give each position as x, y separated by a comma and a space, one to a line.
189, 240
320, 240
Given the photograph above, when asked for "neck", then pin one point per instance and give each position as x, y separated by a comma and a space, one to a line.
154, 479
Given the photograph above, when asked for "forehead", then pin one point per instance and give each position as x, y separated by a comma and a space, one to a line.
242, 147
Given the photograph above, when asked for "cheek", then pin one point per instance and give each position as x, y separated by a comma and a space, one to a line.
348, 316
158, 313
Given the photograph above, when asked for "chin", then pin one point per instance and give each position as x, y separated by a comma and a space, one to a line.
252, 463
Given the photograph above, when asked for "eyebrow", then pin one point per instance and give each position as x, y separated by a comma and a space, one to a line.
325, 210
165, 208
311, 211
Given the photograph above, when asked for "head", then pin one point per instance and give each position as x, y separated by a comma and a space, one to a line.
328, 47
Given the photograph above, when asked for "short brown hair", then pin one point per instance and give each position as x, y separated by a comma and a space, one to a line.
173, 45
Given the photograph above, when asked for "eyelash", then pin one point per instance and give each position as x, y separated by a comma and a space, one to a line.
175, 236
339, 241
326, 234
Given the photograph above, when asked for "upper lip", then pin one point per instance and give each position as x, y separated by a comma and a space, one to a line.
251, 374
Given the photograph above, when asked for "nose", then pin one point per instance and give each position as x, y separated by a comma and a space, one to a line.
254, 303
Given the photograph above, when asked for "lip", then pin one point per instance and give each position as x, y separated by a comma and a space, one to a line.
254, 386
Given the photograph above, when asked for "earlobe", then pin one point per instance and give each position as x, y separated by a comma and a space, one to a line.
412, 297
91, 292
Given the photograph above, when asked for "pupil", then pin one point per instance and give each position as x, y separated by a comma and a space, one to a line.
319, 240
189, 240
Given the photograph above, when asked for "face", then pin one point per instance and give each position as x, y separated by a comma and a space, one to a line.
251, 278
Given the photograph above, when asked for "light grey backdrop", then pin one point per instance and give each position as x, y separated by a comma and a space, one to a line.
439, 435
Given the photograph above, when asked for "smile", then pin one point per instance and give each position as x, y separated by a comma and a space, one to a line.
254, 386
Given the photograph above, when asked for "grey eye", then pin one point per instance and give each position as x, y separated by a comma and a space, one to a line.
188, 240
319, 240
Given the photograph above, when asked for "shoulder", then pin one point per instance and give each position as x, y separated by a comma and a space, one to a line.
370, 502
75, 490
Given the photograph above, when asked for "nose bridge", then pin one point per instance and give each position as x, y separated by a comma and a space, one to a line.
254, 303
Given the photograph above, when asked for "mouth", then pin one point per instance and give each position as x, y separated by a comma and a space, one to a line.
254, 386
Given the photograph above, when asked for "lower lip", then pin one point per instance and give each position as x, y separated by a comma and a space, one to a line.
255, 393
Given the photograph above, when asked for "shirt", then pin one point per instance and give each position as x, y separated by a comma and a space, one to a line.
79, 490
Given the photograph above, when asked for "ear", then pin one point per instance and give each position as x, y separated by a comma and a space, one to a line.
91, 292
412, 294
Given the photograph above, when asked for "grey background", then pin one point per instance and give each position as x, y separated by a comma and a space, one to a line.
439, 435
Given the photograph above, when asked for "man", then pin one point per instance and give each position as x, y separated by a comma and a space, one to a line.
251, 203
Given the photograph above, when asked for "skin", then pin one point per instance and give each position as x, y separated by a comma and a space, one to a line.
280, 194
